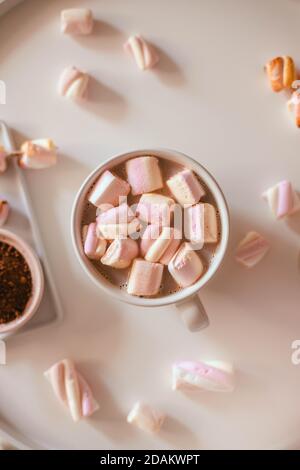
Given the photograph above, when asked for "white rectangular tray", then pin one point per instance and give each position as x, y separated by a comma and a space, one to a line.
14, 188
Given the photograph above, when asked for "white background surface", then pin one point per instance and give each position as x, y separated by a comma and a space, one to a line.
210, 99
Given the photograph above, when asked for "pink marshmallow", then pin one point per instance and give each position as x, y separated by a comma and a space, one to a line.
283, 200
143, 53
77, 21
73, 83
121, 253
4, 212
214, 376
149, 236
172, 248
158, 248
186, 266
108, 190
116, 215
186, 187
38, 154
145, 278
155, 209
252, 249
94, 246
194, 225
144, 175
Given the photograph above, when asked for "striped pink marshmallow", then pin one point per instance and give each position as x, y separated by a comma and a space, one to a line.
214, 376
144, 175
252, 249
143, 53
94, 246
71, 389
283, 200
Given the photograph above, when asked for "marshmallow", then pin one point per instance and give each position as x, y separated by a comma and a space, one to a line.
121, 253
116, 215
186, 266
77, 21
3, 159
157, 249
201, 225
186, 187
71, 389
283, 200
4, 212
281, 72
73, 83
94, 247
145, 278
144, 175
176, 238
146, 418
155, 209
121, 231
149, 236
251, 249
215, 376
38, 154
143, 53
108, 189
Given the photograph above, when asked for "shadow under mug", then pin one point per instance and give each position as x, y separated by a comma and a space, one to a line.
186, 300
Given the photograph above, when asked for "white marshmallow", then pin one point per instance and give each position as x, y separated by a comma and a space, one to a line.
121, 231
155, 209
108, 190
145, 278
121, 253
160, 245
146, 418
186, 188
186, 266
143, 53
94, 246
73, 83
77, 21
38, 154
214, 376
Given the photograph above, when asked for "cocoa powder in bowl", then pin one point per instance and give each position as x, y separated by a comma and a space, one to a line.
15, 283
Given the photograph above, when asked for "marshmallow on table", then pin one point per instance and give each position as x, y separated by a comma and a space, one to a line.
251, 249
4, 212
145, 278
214, 376
94, 246
281, 72
3, 159
186, 266
146, 418
71, 389
73, 83
155, 209
186, 187
201, 225
120, 231
121, 214
144, 175
121, 253
77, 21
282, 199
143, 53
38, 154
108, 190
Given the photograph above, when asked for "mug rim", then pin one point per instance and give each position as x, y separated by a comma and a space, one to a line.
37, 275
116, 292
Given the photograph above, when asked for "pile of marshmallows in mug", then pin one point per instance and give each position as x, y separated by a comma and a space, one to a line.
111, 238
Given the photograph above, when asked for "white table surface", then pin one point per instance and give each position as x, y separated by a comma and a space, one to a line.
210, 99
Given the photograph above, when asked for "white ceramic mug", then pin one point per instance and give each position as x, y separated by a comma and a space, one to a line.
186, 300
37, 276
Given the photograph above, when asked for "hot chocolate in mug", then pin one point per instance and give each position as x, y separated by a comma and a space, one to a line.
186, 300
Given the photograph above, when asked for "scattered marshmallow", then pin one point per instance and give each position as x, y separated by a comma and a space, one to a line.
116, 215
77, 21
215, 376
155, 209
108, 190
281, 72
73, 83
4, 212
38, 154
94, 246
283, 200
143, 53
120, 231
186, 266
145, 278
3, 159
186, 188
71, 389
144, 175
121, 253
252, 249
146, 418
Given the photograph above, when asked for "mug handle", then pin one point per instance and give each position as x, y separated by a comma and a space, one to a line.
193, 314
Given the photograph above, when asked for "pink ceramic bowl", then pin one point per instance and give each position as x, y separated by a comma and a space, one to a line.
37, 281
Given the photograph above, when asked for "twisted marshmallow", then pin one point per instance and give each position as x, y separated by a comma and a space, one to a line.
252, 249
214, 376
71, 389
283, 200
143, 53
73, 83
146, 418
